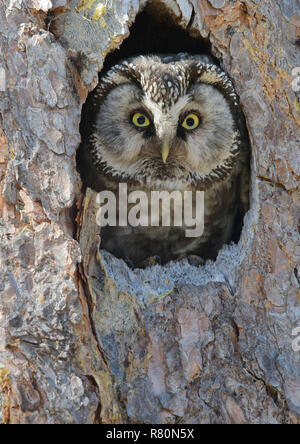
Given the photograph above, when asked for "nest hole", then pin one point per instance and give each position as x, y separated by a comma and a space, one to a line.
154, 31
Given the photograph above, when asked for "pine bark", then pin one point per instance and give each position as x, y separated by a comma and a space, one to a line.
84, 339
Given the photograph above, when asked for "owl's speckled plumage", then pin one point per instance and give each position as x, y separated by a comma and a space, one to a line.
213, 157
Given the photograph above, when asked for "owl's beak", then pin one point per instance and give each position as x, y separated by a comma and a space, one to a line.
165, 149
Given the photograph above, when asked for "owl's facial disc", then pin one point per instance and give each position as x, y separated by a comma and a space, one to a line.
161, 140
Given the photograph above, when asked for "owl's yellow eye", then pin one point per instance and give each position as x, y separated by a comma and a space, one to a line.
191, 122
140, 120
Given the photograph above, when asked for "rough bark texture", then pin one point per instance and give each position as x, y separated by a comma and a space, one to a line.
84, 339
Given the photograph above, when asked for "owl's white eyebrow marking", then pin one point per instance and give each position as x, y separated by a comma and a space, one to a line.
162, 116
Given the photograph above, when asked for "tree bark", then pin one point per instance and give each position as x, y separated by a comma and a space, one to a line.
85, 339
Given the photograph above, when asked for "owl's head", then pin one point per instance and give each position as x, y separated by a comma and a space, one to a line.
160, 120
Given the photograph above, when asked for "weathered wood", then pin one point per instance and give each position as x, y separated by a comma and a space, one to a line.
84, 339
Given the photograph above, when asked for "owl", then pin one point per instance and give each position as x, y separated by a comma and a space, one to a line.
168, 122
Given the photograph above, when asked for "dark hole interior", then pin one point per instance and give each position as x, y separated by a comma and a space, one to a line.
154, 32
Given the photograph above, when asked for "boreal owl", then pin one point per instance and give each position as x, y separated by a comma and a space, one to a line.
168, 122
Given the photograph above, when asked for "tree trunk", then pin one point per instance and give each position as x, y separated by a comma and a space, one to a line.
85, 339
